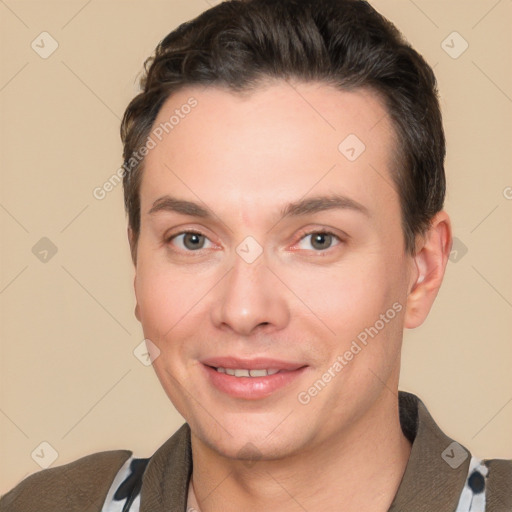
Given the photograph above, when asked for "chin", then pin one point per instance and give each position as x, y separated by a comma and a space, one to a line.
250, 442
250, 450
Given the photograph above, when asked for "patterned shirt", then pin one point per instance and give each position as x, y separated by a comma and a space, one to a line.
124, 493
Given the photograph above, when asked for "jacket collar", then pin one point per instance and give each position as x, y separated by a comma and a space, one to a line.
428, 483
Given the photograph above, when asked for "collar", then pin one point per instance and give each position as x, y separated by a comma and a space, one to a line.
429, 483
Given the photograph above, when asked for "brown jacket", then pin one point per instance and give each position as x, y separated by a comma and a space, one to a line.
429, 483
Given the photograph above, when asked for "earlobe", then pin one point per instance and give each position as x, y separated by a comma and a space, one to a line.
430, 261
132, 242
137, 308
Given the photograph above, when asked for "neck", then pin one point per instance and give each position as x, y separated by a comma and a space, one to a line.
359, 468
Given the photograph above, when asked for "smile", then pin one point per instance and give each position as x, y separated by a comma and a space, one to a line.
246, 373
250, 379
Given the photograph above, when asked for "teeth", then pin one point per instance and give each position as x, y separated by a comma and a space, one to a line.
246, 373
259, 373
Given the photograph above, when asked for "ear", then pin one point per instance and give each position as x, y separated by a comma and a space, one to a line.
133, 244
432, 252
133, 251
137, 311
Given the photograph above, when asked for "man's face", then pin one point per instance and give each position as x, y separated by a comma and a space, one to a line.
211, 299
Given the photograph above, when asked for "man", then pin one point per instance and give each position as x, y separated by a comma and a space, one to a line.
284, 187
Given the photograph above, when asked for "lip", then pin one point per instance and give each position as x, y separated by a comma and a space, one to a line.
251, 388
259, 363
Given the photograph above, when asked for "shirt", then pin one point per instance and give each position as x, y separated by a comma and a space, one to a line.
441, 476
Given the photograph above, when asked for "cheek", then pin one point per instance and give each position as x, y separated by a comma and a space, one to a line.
347, 296
160, 297
163, 314
154, 300
346, 303
172, 303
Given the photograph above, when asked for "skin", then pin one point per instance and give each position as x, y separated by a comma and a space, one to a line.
244, 158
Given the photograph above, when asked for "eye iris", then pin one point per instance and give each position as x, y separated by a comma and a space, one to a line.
194, 238
195, 241
321, 237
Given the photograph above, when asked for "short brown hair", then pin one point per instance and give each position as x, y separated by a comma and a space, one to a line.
346, 43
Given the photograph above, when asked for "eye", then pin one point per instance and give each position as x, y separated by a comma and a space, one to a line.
320, 240
189, 240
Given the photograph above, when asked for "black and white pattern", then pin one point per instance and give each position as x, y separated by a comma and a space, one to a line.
124, 493
472, 498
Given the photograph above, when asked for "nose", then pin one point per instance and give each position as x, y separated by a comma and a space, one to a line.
250, 298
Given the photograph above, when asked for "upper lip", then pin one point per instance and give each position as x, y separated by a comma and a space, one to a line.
259, 363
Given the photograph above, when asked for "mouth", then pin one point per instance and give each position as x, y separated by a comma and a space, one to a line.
251, 379
242, 372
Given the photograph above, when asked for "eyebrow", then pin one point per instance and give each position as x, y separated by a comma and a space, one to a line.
299, 208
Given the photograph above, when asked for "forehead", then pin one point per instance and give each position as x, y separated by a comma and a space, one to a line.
278, 141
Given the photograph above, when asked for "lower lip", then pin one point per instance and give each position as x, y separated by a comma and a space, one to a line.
251, 388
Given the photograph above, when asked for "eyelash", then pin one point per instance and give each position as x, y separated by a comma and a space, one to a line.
169, 239
321, 232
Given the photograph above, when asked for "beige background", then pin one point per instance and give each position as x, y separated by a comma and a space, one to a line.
68, 373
